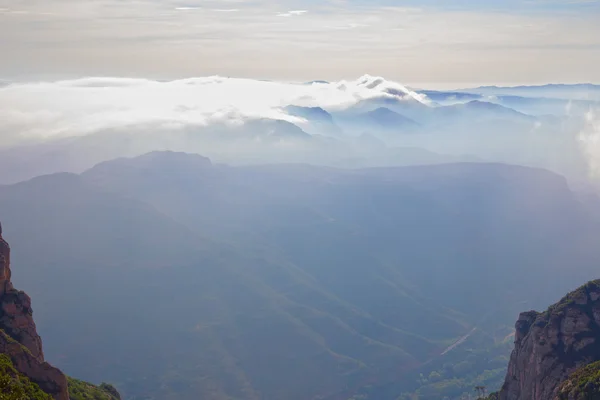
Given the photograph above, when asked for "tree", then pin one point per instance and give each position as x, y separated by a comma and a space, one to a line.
480, 392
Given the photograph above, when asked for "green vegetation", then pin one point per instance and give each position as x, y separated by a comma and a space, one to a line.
481, 366
569, 299
80, 390
16, 386
478, 364
456, 388
583, 384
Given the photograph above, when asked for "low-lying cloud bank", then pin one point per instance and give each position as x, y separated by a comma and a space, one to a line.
34, 111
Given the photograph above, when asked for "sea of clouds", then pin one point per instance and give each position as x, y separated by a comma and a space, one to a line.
43, 110
188, 114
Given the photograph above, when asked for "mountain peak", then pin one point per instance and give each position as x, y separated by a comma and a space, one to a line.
386, 117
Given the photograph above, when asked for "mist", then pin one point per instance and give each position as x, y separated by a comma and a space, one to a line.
68, 126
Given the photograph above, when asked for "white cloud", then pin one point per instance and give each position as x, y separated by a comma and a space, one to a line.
590, 140
33, 111
292, 13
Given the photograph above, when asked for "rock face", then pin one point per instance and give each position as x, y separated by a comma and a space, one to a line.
18, 335
5, 272
550, 346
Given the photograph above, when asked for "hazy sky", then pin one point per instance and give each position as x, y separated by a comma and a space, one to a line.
418, 42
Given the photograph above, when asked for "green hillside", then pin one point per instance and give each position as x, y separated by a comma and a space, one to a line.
80, 390
16, 386
583, 384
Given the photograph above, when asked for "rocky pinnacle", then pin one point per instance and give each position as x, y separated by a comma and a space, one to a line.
550, 346
18, 335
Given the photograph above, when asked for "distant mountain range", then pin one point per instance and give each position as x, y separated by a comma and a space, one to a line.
321, 123
253, 142
534, 100
583, 91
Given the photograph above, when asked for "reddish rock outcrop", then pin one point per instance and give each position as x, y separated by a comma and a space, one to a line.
550, 346
5, 272
18, 335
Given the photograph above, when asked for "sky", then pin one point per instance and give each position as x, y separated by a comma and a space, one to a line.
423, 43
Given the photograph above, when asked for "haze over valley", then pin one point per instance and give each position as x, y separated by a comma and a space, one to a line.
333, 200
240, 239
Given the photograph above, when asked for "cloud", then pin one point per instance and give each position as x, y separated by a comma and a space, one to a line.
33, 111
292, 13
590, 141
420, 42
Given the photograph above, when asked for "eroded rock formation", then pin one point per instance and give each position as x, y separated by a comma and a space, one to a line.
18, 335
550, 346
5, 272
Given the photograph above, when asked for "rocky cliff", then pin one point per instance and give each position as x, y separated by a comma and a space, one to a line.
551, 346
18, 335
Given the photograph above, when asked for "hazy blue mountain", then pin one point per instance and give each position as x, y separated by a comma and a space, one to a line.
255, 142
584, 91
388, 119
409, 108
462, 114
382, 123
548, 106
318, 121
530, 104
145, 304
312, 113
194, 279
474, 111
448, 98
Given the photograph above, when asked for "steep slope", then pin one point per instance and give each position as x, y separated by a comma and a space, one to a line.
235, 315
552, 345
19, 340
17, 386
79, 390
